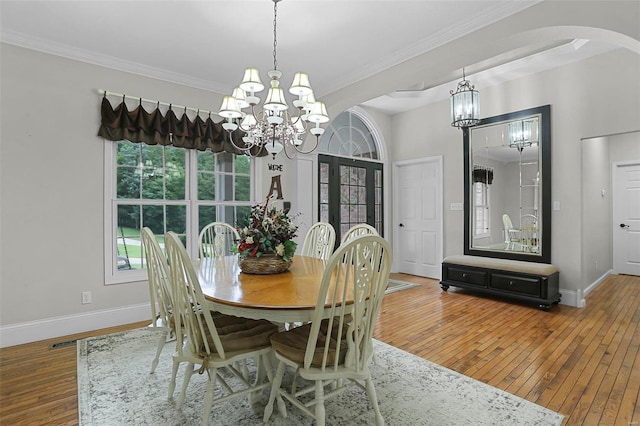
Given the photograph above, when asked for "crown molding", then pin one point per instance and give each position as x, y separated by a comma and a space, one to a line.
488, 17
70, 52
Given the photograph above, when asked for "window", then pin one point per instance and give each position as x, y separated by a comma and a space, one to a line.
167, 189
481, 210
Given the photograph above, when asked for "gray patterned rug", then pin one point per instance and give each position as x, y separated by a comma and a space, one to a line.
115, 388
397, 285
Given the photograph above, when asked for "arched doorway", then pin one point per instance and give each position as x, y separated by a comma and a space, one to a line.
350, 175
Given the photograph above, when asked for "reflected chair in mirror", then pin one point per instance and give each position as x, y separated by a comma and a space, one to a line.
218, 344
529, 232
159, 291
217, 239
319, 241
512, 238
357, 230
335, 352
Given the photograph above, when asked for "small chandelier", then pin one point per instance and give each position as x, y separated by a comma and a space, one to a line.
273, 129
520, 134
465, 109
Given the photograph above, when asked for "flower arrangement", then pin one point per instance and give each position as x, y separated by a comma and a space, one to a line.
267, 231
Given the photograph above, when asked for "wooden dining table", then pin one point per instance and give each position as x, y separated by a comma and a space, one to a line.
286, 297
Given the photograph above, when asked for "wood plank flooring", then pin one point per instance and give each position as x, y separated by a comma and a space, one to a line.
583, 363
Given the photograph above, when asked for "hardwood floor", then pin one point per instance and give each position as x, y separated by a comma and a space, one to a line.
583, 363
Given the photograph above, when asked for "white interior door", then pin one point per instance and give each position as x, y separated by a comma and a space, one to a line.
417, 199
626, 218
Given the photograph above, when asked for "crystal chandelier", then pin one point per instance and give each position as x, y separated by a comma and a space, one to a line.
273, 129
520, 134
465, 109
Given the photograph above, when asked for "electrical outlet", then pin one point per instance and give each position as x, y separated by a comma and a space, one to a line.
86, 297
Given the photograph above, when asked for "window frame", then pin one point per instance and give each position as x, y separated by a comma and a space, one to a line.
111, 272
486, 195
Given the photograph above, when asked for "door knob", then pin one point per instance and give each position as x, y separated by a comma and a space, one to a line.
402, 225
622, 225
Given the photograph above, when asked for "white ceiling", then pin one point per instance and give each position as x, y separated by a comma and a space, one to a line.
207, 44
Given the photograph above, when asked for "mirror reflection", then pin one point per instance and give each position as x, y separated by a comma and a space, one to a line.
504, 185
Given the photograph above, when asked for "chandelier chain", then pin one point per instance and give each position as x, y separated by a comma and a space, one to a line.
275, 37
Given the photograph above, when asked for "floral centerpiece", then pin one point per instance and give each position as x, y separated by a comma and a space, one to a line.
266, 243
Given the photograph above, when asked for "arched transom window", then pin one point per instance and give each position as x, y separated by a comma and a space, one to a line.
349, 136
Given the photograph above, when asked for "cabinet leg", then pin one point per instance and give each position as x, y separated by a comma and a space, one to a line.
445, 287
544, 307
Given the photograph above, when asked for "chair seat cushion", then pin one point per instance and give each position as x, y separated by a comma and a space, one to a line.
293, 344
241, 334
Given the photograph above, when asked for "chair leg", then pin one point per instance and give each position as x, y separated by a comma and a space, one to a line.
371, 390
187, 377
174, 373
208, 396
161, 342
319, 401
275, 392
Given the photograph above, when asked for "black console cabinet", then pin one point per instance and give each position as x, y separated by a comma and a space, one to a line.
529, 285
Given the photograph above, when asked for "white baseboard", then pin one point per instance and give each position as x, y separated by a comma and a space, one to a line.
569, 297
49, 328
576, 298
592, 287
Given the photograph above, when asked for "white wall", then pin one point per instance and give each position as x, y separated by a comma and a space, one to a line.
586, 100
51, 187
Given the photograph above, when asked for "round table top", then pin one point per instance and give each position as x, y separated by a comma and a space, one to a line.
222, 282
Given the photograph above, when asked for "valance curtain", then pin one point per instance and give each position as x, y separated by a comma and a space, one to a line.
482, 174
153, 128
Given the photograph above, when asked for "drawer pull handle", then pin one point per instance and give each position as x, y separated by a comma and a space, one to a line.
511, 283
464, 275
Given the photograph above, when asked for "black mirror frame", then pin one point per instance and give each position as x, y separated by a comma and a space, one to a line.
545, 172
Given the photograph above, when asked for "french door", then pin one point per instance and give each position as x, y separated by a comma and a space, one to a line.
350, 193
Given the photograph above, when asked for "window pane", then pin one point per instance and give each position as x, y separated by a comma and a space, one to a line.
206, 186
152, 156
128, 154
344, 174
324, 213
177, 219
128, 183
242, 188
206, 215
242, 164
242, 212
175, 158
153, 217
378, 178
362, 195
128, 250
175, 183
152, 185
324, 173
206, 161
324, 193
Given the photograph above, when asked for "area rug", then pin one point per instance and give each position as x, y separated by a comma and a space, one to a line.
397, 285
115, 388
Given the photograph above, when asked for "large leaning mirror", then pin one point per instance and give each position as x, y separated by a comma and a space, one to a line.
507, 175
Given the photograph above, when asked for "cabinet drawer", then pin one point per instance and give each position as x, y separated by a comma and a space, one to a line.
516, 284
467, 276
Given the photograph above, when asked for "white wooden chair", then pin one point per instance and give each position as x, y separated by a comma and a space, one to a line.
359, 267
217, 239
512, 237
319, 241
214, 343
159, 291
357, 230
